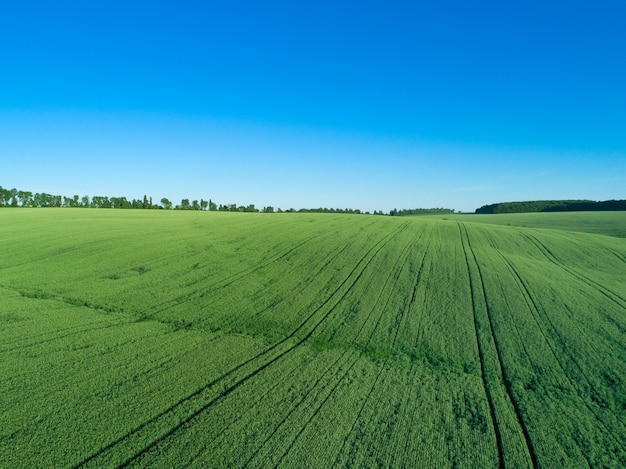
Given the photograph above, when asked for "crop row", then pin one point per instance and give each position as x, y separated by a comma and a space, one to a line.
235, 340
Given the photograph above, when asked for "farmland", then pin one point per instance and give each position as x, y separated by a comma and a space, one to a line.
610, 223
169, 339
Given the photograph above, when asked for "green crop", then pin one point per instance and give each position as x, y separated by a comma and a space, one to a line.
171, 339
610, 223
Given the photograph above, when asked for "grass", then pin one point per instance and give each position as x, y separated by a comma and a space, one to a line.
609, 223
165, 339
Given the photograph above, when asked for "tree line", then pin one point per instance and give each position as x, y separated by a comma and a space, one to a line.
19, 198
553, 206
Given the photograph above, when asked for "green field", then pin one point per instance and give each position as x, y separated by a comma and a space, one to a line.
169, 339
610, 223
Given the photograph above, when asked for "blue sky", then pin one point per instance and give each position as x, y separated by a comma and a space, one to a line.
370, 105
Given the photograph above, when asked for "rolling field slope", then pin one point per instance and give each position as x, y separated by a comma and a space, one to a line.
609, 223
170, 339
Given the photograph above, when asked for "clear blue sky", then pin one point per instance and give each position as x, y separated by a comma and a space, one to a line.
370, 105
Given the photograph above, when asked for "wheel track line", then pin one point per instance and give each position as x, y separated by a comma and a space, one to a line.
293, 409
236, 276
250, 407
611, 295
524, 294
80, 327
481, 354
63, 336
614, 252
197, 393
419, 236
307, 280
503, 373
548, 337
372, 309
86, 361
230, 279
57, 299
358, 416
49, 255
586, 280
238, 383
418, 278
265, 264
395, 273
221, 283
620, 256
412, 243
316, 412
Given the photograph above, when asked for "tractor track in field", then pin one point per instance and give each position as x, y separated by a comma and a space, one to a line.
395, 270
250, 405
392, 275
467, 245
317, 409
58, 252
229, 280
548, 254
548, 338
86, 362
620, 256
222, 283
306, 280
572, 381
286, 417
481, 353
311, 389
347, 439
410, 245
355, 273
398, 267
416, 284
381, 368
63, 336
375, 249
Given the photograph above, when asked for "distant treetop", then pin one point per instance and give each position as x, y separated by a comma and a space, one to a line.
18, 198
554, 206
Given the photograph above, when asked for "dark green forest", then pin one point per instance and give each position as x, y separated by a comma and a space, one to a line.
553, 206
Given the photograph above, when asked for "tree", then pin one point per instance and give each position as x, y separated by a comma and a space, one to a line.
14, 197
184, 204
25, 198
203, 204
195, 205
165, 202
85, 201
212, 206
